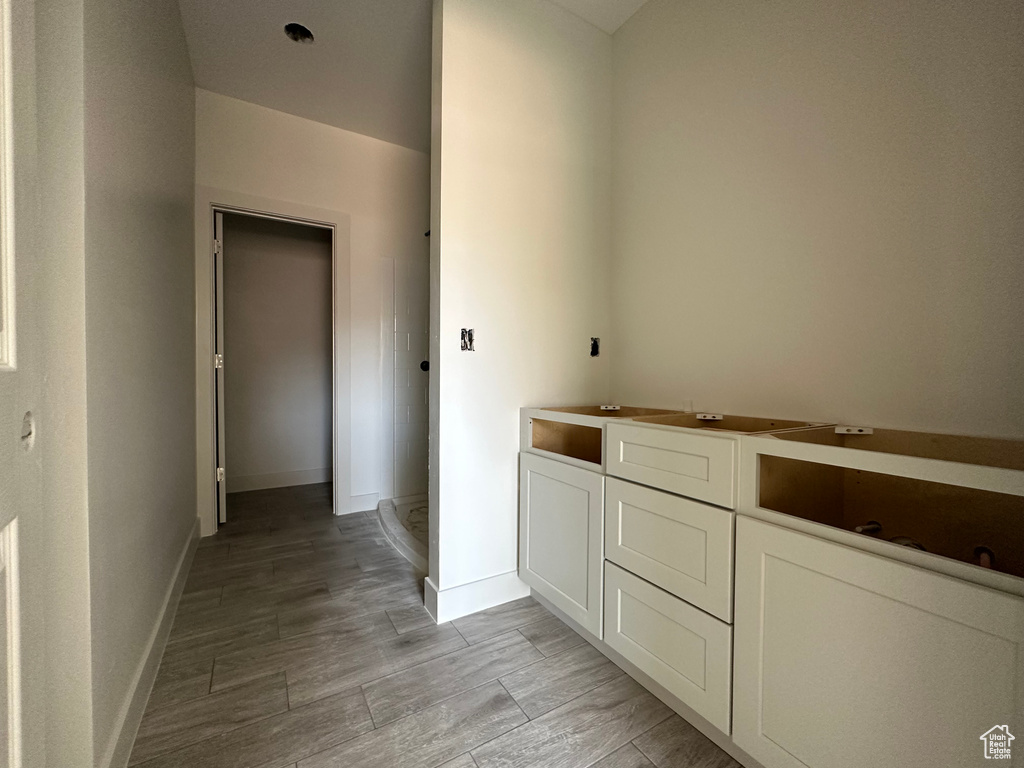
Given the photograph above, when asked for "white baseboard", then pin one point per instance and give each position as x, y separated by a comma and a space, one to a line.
123, 739
365, 503
456, 602
237, 484
721, 739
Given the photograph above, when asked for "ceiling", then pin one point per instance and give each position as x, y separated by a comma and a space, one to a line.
368, 72
608, 15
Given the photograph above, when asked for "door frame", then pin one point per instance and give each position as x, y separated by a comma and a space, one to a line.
208, 201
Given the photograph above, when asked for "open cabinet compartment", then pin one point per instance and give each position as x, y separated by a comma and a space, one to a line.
945, 519
573, 440
575, 432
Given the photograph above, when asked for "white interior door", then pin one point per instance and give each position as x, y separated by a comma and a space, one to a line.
19, 388
218, 351
412, 326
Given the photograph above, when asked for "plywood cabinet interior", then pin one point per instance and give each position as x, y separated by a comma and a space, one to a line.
682, 648
561, 536
682, 546
845, 659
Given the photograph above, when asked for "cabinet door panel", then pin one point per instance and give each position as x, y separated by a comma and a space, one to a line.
561, 536
682, 546
845, 659
694, 465
681, 647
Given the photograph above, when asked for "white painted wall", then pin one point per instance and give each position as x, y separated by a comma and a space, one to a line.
817, 211
110, 342
277, 344
384, 188
520, 245
139, 335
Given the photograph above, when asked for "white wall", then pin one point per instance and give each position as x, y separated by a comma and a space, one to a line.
818, 211
139, 334
60, 705
277, 339
384, 188
520, 243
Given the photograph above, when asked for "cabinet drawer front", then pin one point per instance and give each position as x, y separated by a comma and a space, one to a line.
682, 546
699, 466
682, 648
845, 659
561, 536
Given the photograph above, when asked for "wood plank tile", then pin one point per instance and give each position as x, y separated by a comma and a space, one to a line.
558, 679
462, 761
580, 732
677, 744
425, 684
274, 597
627, 757
215, 552
408, 619
552, 636
429, 737
303, 652
245, 575
368, 661
276, 551
201, 647
278, 740
354, 594
180, 682
500, 619
240, 607
190, 602
170, 728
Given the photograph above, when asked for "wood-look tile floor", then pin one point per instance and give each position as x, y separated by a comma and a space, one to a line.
301, 641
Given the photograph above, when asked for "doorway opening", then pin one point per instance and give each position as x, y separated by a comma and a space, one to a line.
274, 322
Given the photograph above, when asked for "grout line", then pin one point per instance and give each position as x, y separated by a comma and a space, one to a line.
528, 718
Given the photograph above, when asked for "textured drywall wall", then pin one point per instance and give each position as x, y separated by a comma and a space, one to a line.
278, 344
139, 334
817, 211
520, 254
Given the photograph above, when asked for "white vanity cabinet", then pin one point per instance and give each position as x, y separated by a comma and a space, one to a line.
680, 545
845, 659
699, 465
682, 648
561, 536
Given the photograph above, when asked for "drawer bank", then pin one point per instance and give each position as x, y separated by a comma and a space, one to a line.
807, 595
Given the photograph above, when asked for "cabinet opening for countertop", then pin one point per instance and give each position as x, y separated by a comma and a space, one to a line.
983, 528
574, 440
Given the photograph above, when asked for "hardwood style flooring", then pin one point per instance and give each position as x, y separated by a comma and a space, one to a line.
301, 641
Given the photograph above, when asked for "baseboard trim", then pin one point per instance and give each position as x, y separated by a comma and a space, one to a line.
239, 484
456, 602
120, 748
720, 739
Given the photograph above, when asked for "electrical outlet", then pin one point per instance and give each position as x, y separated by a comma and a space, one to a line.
595, 346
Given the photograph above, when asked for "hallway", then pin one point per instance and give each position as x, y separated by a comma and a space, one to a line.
301, 639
